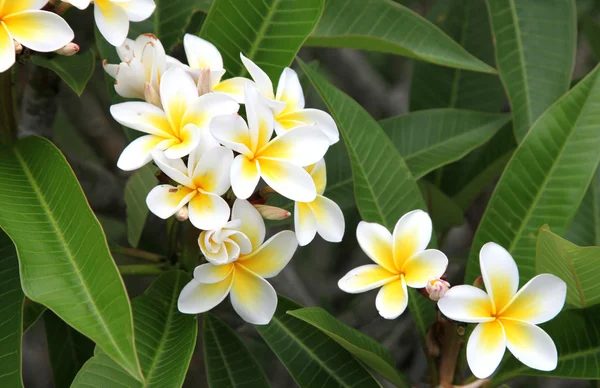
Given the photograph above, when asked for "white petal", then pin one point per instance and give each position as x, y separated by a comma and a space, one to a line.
112, 21
245, 175
166, 200
318, 172
81, 4
252, 297
301, 146
485, 348
177, 92
202, 110
189, 137
206, 142
424, 266
288, 179
212, 171
138, 152
142, 117
39, 30
173, 168
208, 211
466, 303
210, 274
201, 54
500, 274
253, 225
130, 80
138, 10
540, 300
260, 118
232, 87
365, 278
110, 69
289, 91
392, 299
7, 49
412, 234
316, 117
305, 223
126, 50
530, 345
330, 219
272, 256
261, 78
376, 241
197, 297
232, 132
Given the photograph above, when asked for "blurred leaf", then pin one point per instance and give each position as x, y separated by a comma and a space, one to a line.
546, 178
68, 349
32, 312
433, 86
75, 276
11, 303
382, 25
577, 266
444, 212
432, 138
137, 189
363, 347
585, 227
535, 50
76, 70
228, 362
165, 340
269, 32
313, 359
591, 31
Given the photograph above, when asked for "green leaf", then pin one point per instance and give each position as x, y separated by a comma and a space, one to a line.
228, 362
32, 312
385, 26
535, 50
136, 191
433, 86
165, 340
313, 359
269, 32
76, 70
585, 227
11, 304
67, 266
363, 347
444, 212
432, 138
591, 31
577, 266
68, 349
546, 178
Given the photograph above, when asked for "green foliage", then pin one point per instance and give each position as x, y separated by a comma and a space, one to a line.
585, 227
32, 312
136, 191
76, 70
444, 212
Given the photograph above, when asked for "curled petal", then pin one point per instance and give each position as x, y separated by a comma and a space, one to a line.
173, 168
392, 299
202, 110
210, 274
466, 304
500, 274
316, 117
252, 297
212, 171
305, 223
365, 278
268, 260
130, 81
232, 132
259, 76
376, 241
421, 267
485, 348
208, 211
189, 138
288, 179
196, 297
142, 117
139, 152
232, 87
252, 224
301, 146
330, 219
289, 91
166, 200
412, 234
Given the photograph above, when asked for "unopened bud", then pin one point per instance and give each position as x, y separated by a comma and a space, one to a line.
182, 214
204, 82
18, 47
478, 283
151, 95
69, 50
272, 213
436, 288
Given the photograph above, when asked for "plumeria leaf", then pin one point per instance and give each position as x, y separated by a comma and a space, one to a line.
374, 25
585, 227
560, 154
269, 33
76, 70
32, 312
76, 276
577, 266
312, 358
533, 79
444, 212
363, 347
136, 191
228, 362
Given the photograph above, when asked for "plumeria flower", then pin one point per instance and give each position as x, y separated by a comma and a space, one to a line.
176, 130
22, 21
252, 297
436, 288
143, 62
279, 161
201, 185
288, 103
225, 244
113, 16
505, 317
321, 215
401, 260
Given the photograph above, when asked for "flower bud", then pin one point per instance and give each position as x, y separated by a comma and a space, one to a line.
478, 283
151, 95
436, 288
69, 50
18, 47
204, 82
272, 213
182, 214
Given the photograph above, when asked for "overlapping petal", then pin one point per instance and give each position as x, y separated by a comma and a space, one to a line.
196, 297
166, 200
208, 211
392, 299
329, 217
301, 146
412, 234
261, 78
376, 241
260, 118
268, 260
39, 30
366, 277
252, 224
201, 54
311, 117
423, 266
466, 303
8, 7
203, 109
212, 171
142, 117
305, 223
112, 21
138, 152
187, 140
138, 10
210, 274
252, 297
318, 172
290, 91
245, 175
485, 348
289, 180
232, 132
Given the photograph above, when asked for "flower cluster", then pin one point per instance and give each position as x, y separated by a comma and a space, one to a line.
215, 159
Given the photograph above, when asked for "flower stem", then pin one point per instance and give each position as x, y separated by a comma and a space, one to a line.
141, 269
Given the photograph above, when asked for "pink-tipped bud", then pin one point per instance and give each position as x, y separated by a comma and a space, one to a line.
69, 50
478, 283
436, 288
18, 47
272, 213
182, 214
151, 95
204, 82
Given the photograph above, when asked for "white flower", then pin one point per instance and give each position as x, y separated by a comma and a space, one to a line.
436, 288
201, 185
321, 215
279, 161
23, 21
179, 128
225, 244
113, 16
401, 260
288, 103
252, 297
505, 317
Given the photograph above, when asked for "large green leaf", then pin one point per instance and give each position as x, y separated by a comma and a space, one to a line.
11, 305
385, 26
535, 50
269, 32
444, 212
228, 363
76, 70
433, 86
585, 227
165, 340
363, 347
577, 266
313, 359
64, 260
546, 178
432, 138
136, 191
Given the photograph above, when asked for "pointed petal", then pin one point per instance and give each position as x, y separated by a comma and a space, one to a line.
485, 348
289, 91
376, 241
130, 81
424, 266
201, 54
203, 109
245, 175
318, 172
138, 152
316, 117
242, 241
262, 80
189, 138
208, 211
112, 21
196, 297
260, 118
466, 303
232, 87
166, 200
232, 132
177, 92
173, 168
212, 171
13, 6
253, 225
540, 300
392, 299
412, 234
252, 297
301, 146
305, 223
530, 345
142, 117
268, 260
138, 10
330, 219
7, 49
111, 70
500, 274
210, 274
365, 278
288, 179
39, 30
